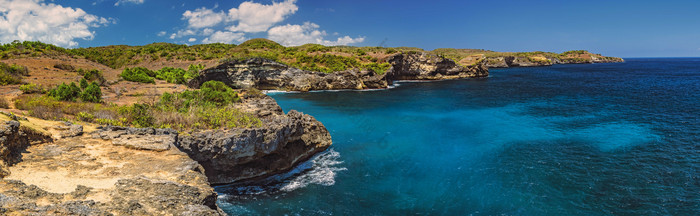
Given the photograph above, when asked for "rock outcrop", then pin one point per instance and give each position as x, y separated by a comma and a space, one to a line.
266, 74
424, 66
12, 143
240, 154
98, 176
521, 61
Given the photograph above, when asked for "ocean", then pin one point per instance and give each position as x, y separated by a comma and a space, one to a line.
589, 139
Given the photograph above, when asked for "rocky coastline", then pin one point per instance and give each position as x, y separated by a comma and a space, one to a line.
265, 74
145, 171
517, 61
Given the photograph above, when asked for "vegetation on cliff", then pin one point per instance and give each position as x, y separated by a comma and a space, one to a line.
169, 74
210, 107
313, 57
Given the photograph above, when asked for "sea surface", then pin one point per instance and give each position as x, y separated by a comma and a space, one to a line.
593, 139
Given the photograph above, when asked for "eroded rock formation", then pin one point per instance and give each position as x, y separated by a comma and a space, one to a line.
238, 154
424, 66
266, 74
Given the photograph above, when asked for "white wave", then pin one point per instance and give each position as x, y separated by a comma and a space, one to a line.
323, 171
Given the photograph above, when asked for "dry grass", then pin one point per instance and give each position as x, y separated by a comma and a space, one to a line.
4, 103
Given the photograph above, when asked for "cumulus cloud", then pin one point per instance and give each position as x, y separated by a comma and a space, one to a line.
254, 17
162, 33
294, 35
225, 37
248, 18
202, 17
121, 2
34, 20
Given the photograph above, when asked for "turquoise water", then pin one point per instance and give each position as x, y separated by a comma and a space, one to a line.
595, 139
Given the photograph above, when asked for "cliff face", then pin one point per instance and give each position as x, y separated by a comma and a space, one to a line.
536, 61
12, 143
270, 75
242, 154
424, 66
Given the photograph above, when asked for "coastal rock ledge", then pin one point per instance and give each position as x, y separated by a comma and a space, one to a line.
241, 154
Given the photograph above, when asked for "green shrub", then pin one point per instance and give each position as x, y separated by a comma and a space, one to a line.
93, 75
91, 93
141, 115
12, 74
65, 92
86, 117
377, 68
138, 74
218, 93
31, 88
177, 75
83, 83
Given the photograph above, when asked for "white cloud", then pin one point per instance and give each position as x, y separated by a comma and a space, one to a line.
34, 20
254, 17
121, 2
225, 37
192, 40
221, 26
202, 17
249, 17
294, 35
162, 33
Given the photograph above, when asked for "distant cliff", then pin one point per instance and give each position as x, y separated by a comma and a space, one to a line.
534, 59
267, 74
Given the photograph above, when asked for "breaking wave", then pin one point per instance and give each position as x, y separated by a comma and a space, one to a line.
321, 170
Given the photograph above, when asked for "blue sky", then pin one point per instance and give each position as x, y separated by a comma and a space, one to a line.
616, 28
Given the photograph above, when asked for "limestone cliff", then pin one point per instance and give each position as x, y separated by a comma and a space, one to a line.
536, 60
266, 74
424, 66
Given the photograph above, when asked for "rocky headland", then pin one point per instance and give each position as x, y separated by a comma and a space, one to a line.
60, 168
267, 74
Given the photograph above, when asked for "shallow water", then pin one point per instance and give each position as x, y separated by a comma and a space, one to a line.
568, 139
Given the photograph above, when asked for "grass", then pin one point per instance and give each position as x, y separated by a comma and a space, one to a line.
4, 103
211, 107
12, 74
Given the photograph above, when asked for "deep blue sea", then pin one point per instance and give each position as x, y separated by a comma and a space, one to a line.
597, 139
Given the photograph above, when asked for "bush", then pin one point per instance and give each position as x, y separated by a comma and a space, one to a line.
31, 88
177, 75
138, 74
65, 92
12, 74
83, 83
91, 93
140, 115
218, 93
93, 75
378, 68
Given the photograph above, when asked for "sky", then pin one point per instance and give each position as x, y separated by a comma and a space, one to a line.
623, 28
